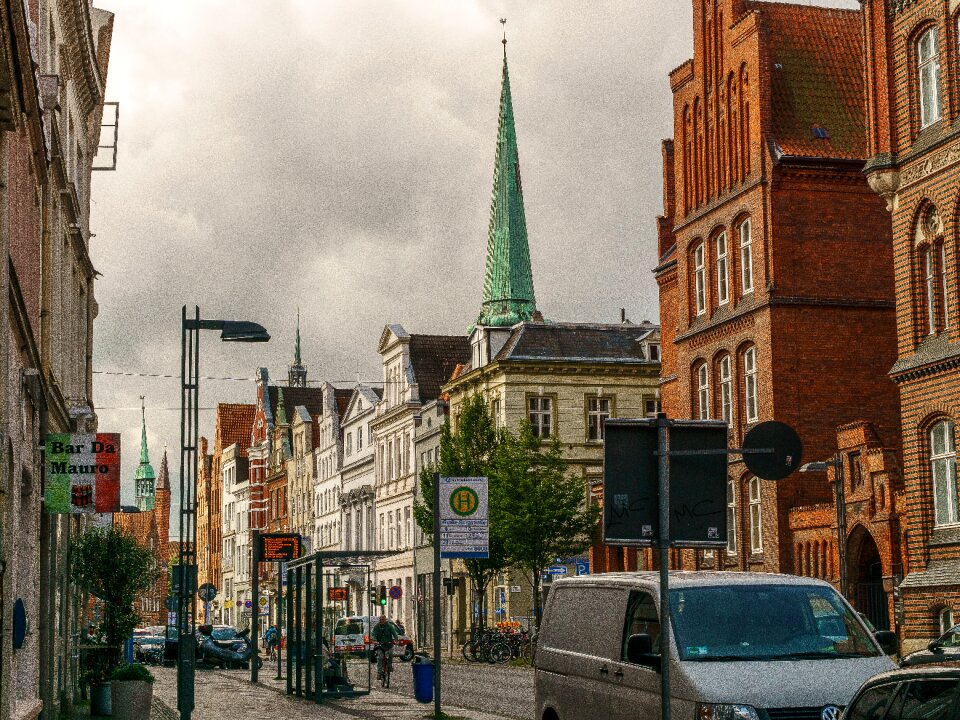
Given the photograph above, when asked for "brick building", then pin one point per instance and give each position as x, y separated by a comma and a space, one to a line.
913, 106
775, 269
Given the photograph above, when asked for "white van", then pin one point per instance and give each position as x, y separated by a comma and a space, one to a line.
745, 646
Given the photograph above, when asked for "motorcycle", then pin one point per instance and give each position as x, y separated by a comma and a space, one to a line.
235, 651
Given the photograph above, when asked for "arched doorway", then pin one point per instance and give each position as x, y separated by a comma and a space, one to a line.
866, 578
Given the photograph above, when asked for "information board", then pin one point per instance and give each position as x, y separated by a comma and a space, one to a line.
338, 594
464, 519
83, 473
279, 547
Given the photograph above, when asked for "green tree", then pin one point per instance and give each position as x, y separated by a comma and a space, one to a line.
114, 567
471, 451
546, 514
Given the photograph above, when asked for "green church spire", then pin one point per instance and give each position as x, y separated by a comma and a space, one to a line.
296, 351
508, 282
145, 479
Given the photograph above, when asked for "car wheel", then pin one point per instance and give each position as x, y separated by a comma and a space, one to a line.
407, 653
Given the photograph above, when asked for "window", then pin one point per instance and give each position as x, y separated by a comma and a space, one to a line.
750, 383
872, 703
726, 390
856, 471
925, 699
359, 439
641, 618
946, 620
943, 468
651, 406
928, 67
931, 291
382, 546
701, 297
722, 293
598, 410
943, 284
746, 257
654, 352
391, 537
349, 444
756, 534
731, 517
495, 412
540, 413
703, 392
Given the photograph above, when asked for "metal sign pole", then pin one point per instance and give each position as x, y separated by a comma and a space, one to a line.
663, 458
436, 595
255, 610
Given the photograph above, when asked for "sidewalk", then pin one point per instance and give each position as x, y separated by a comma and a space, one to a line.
229, 695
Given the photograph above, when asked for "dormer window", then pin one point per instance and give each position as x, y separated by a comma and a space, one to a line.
654, 352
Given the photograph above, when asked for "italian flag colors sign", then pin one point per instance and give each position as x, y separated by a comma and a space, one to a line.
83, 473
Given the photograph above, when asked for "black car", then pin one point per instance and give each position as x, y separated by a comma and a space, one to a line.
171, 646
945, 648
918, 693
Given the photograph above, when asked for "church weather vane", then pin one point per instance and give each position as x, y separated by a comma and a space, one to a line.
503, 23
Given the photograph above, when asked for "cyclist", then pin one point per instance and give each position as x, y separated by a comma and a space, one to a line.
384, 634
271, 638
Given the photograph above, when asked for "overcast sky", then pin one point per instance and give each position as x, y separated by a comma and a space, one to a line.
338, 156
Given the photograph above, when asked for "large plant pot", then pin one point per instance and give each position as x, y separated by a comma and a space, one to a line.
100, 697
132, 699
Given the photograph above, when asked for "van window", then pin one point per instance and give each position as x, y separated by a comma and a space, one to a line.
641, 618
575, 615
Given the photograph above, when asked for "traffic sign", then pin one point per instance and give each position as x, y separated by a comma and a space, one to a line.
263, 601
583, 567
227, 604
396, 592
464, 529
207, 592
557, 570
782, 440
248, 604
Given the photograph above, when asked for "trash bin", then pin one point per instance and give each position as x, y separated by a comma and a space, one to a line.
422, 678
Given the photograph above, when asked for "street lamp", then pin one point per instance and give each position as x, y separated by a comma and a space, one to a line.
837, 463
230, 331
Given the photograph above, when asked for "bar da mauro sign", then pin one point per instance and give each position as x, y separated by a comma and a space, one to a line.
83, 473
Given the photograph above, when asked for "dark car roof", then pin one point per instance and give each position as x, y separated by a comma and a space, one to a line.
919, 671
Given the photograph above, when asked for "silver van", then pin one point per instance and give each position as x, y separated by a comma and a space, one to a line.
746, 646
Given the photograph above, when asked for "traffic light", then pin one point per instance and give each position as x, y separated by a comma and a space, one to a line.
373, 596
383, 595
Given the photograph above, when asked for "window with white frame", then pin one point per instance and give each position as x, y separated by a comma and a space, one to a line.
723, 294
699, 280
391, 536
726, 390
750, 384
651, 406
746, 257
943, 469
945, 618
931, 290
928, 68
943, 284
703, 392
540, 414
756, 527
349, 444
399, 530
598, 410
495, 412
731, 517
381, 545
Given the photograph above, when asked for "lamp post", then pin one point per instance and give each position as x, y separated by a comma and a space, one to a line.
837, 463
230, 331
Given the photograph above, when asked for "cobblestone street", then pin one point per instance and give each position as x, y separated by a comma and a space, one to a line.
228, 695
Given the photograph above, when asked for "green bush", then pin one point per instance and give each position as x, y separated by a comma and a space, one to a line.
132, 672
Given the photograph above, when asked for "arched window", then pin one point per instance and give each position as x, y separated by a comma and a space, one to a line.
725, 377
750, 384
699, 281
746, 257
703, 392
945, 618
943, 470
756, 528
723, 294
930, 273
731, 517
928, 70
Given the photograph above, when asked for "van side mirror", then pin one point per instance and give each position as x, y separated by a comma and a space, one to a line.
887, 641
640, 651
934, 646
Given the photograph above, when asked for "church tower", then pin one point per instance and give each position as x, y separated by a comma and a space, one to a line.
163, 505
508, 282
297, 375
145, 479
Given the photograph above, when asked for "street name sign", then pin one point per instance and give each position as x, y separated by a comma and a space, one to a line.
83, 473
464, 520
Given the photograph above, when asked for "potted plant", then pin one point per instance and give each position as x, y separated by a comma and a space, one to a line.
131, 689
96, 679
114, 567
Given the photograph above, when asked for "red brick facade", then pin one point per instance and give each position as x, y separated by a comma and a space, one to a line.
914, 164
776, 273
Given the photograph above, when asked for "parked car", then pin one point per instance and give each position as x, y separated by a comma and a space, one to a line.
351, 634
748, 646
148, 649
171, 646
927, 693
945, 648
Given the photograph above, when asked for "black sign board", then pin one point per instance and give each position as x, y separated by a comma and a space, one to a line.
177, 575
784, 450
279, 547
698, 483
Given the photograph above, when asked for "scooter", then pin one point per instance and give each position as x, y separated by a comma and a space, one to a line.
212, 654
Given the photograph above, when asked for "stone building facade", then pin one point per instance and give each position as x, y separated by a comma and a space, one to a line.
767, 217
913, 107
53, 67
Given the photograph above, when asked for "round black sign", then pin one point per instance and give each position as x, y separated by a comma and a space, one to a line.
207, 592
170, 603
784, 443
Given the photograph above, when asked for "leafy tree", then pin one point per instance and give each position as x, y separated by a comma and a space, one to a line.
546, 514
114, 567
471, 451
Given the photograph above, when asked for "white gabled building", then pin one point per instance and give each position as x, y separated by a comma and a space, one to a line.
327, 459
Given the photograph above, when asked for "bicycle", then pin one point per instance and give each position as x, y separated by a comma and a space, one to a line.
384, 664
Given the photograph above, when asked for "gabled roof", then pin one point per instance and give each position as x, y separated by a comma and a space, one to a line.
433, 358
369, 394
816, 57
234, 423
578, 342
309, 397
